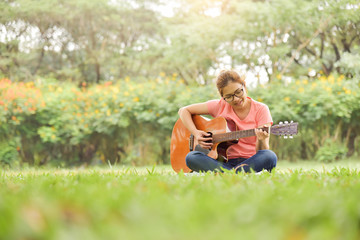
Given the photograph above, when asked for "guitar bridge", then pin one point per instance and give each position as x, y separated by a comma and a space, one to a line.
191, 143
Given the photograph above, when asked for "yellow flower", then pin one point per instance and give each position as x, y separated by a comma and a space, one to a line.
136, 99
260, 99
322, 78
297, 82
298, 101
301, 90
127, 79
340, 78
158, 114
108, 113
305, 81
126, 93
97, 111
331, 79
121, 104
30, 84
278, 76
162, 74
286, 99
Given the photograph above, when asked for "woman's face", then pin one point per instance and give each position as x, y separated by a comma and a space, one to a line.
235, 94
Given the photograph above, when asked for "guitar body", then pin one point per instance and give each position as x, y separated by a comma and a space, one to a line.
180, 141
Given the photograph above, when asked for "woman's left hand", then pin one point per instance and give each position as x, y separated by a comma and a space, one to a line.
261, 134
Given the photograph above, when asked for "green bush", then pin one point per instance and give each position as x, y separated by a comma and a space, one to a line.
8, 154
324, 107
131, 122
331, 151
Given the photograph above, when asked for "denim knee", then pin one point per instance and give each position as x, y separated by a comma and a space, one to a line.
192, 158
271, 157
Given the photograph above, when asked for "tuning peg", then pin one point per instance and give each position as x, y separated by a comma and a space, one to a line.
280, 123
285, 137
291, 121
286, 122
291, 136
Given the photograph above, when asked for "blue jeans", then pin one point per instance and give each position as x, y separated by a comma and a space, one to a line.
263, 159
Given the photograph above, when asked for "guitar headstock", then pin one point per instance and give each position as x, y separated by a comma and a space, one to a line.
285, 129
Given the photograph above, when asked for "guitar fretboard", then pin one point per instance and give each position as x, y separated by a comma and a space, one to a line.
230, 136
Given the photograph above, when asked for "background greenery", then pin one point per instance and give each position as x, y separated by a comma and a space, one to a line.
87, 82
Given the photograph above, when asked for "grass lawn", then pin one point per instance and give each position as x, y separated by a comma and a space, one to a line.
303, 200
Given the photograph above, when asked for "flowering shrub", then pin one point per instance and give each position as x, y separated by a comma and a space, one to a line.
327, 108
131, 122
115, 122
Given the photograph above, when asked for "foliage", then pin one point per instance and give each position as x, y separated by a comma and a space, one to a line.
330, 152
8, 154
325, 107
122, 122
76, 40
100, 40
157, 204
51, 122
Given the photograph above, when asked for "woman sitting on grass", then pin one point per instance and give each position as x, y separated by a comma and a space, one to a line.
241, 113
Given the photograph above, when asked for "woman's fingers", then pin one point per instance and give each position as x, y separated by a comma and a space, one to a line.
205, 139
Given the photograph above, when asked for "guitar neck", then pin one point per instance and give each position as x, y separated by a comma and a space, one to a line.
230, 136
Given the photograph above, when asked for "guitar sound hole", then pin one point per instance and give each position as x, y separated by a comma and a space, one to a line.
209, 141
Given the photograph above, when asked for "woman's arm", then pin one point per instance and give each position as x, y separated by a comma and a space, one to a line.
186, 113
262, 137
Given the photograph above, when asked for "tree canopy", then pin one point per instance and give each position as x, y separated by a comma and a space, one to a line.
94, 41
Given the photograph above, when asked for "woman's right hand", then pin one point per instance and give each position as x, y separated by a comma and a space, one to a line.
202, 138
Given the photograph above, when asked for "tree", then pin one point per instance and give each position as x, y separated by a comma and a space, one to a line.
80, 40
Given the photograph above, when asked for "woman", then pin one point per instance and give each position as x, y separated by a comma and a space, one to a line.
241, 113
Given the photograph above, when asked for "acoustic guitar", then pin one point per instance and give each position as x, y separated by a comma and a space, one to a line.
183, 142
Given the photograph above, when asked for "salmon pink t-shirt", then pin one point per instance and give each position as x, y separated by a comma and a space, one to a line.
259, 114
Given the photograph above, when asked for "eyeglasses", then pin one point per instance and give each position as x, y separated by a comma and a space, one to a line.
238, 93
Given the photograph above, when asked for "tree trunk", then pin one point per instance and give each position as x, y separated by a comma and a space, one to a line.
303, 153
351, 144
97, 70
